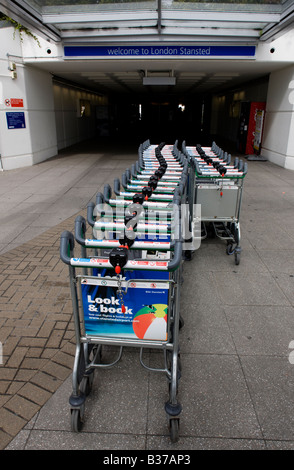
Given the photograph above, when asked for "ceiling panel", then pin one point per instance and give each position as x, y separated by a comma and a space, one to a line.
239, 19
160, 22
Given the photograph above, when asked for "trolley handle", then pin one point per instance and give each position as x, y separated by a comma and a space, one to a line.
124, 180
94, 210
116, 186
134, 171
81, 227
99, 208
90, 213
107, 192
199, 172
67, 247
101, 211
99, 198
67, 243
245, 168
141, 161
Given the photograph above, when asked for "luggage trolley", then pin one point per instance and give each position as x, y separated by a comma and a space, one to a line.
169, 189
176, 181
124, 301
151, 297
218, 188
159, 219
185, 187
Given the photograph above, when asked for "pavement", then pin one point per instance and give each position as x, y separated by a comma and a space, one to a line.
237, 343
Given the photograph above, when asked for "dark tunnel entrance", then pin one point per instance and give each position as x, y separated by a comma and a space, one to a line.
158, 118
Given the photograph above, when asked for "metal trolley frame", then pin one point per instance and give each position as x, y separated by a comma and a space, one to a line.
218, 188
92, 272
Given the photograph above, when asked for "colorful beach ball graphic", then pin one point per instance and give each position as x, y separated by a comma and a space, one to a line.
150, 322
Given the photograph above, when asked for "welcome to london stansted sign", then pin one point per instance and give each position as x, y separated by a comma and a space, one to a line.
160, 51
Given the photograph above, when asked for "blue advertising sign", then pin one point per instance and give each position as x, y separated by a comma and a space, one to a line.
145, 305
196, 51
15, 120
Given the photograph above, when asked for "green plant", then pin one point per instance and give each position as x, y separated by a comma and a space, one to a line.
19, 27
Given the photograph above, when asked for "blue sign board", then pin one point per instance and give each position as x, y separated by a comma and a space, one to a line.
145, 301
15, 120
196, 51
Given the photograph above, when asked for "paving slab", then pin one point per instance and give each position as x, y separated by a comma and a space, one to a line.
236, 383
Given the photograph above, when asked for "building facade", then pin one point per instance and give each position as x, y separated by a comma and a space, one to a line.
164, 69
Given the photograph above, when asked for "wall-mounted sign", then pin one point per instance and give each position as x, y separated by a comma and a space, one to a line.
196, 51
15, 120
14, 102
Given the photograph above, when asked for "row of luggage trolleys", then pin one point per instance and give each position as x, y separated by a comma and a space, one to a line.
125, 286
218, 190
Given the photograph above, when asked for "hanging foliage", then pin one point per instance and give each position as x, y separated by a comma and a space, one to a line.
19, 27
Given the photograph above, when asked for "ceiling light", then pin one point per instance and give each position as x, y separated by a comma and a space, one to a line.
159, 80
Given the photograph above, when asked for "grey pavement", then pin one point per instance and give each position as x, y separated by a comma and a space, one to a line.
237, 382
36, 198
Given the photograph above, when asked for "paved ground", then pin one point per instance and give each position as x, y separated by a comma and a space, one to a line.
237, 378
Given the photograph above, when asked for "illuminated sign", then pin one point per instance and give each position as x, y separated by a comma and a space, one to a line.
160, 51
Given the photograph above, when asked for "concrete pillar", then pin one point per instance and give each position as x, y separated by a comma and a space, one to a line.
278, 135
27, 118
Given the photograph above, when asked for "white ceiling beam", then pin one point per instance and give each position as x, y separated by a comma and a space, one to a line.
168, 30
272, 31
107, 33
152, 23
219, 16
148, 39
143, 15
213, 24
212, 32
99, 17
103, 26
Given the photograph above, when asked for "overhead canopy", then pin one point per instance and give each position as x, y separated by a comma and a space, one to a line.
226, 20
163, 23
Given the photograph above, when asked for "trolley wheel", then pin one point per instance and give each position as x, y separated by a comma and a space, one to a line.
210, 230
174, 424
181, 322
177, 375
96, 349
237, 258
236, 233
76, 420
86, 383
229, 249
188, 255
170, 358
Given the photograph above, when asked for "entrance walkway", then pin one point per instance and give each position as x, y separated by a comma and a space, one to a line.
237, 380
